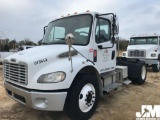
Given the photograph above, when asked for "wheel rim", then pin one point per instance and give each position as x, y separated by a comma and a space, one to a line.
143, 72
87, 97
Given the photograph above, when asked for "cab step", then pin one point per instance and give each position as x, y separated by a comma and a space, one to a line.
111, 87
126, 82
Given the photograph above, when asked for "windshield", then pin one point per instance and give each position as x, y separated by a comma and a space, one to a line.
143, 41
79, 26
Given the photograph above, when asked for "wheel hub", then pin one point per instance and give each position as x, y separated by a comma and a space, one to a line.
87, 98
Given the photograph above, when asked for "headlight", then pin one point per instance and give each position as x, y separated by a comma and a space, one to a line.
52, 77
153, 55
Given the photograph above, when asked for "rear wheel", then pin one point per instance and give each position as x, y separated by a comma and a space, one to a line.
142, 77
82, 98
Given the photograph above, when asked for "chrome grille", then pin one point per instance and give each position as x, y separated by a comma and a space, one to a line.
137, 53
15, 73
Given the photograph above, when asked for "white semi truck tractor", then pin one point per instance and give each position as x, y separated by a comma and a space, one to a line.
73, 67
145, 48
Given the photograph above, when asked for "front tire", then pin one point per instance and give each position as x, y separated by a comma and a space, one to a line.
82, 98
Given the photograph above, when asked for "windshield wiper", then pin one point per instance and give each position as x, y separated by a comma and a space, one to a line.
60, 38
55, 42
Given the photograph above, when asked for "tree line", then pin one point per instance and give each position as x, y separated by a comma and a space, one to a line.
6, 44
123, 43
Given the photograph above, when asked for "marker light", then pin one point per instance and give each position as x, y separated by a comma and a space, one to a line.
75, 13
87, 11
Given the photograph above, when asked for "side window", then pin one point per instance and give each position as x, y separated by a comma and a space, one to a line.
102, 31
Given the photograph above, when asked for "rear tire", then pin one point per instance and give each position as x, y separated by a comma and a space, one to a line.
155, 68
143, 74
82, 98
140, 79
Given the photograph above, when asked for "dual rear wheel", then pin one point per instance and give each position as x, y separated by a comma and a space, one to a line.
140, 77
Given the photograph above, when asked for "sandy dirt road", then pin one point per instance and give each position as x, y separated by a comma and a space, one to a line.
120, 104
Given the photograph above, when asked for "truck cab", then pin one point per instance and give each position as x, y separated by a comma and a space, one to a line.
72, 68
145, 48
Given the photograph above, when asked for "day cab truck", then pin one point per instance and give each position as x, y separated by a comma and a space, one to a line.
145, 48
73, 67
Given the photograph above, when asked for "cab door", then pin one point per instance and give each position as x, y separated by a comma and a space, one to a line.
104, 49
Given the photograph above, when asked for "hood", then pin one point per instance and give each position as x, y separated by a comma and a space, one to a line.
142, 47
42, 53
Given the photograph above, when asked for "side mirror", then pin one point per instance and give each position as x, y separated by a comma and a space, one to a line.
69, 39
116, 28
113, 40
45, 28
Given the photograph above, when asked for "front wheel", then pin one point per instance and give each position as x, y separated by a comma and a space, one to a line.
82, 98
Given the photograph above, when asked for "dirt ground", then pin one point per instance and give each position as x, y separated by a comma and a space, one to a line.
120, 104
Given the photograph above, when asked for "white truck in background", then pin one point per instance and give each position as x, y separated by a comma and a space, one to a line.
73, 67
6, 54
145, 48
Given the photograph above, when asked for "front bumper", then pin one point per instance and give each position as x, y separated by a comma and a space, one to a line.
146, 60
150, 61
50, 101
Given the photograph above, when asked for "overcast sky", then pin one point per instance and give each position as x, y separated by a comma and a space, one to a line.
21, 19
